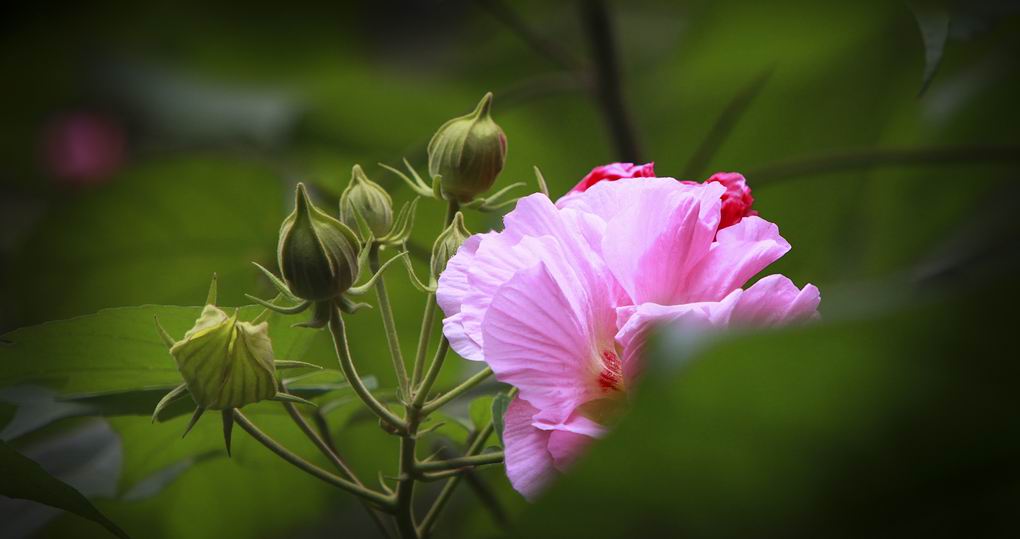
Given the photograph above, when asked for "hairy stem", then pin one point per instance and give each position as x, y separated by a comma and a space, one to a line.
428, 319
386, 311
336, 328
430, 377
466, 385
383, 501
423, 339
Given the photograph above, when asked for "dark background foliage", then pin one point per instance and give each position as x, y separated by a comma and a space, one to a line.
148, 145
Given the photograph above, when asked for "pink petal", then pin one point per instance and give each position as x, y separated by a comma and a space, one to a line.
566, 446
534, 230
653, 246
775, 300
740, 252
453, 282
529, 465
693, 319
607, 199
541, 335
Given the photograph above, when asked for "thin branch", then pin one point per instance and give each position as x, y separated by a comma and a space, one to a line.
389, 325
500, 11
333, 456
602, 42
468, 461
451, 485
339, 333
384, 502
433, 373
871, 158
466, 385
724, 125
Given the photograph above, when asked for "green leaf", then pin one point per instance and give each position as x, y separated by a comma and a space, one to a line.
24, 479
499, 405
119, 350
480, 412
933, 20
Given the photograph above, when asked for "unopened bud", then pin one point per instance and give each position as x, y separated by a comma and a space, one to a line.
366, 197
447, 243
318, 254
468, 153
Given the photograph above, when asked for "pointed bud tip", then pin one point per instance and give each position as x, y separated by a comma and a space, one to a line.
301, 201
357, 173
484, 106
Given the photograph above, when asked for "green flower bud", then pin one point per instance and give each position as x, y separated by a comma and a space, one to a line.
468, 153
318, 254
366, 197
226, 363
447, 243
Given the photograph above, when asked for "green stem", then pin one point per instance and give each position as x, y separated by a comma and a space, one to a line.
466, 385
383, 501
430, 377
336, 328
428, 319
423, 339
405, 485
451, 484
461, 462
444, 495
386, 311
331, 454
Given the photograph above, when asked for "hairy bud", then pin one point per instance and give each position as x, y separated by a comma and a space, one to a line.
365, 197
447, 243
468, 153
318, 254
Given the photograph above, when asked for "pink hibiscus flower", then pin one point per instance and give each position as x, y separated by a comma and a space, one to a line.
736, 200
559, 302
610, 173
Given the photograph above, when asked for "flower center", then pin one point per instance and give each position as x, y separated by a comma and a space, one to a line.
611, 376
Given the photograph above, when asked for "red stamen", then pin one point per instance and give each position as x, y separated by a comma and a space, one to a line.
611, 376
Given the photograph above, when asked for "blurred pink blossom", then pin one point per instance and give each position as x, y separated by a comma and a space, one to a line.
559, 303
84, 148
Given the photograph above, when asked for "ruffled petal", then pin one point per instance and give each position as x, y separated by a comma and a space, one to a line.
535, 232
529, 465
653, 246
693, 319
775, 300
539, 335
739, 253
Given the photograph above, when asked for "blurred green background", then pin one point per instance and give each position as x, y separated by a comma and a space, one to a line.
146, 146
